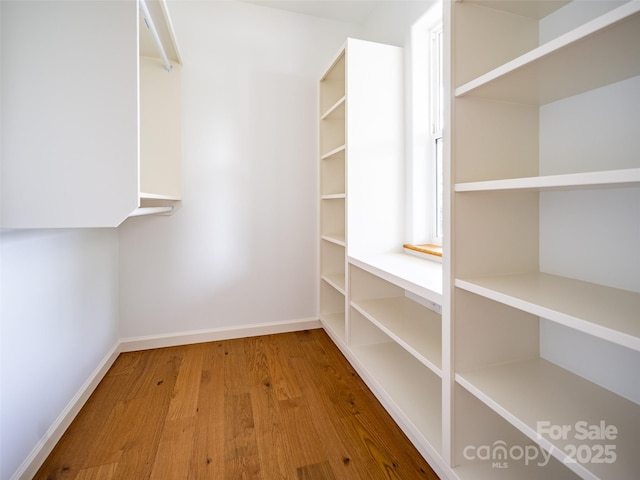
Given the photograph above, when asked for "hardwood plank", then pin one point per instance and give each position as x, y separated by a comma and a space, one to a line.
285, 384
184, 399
92, 438
345, 452
62, 463
334, 376
270, 432
207, 458
101, 472
318, 471
272, 407
235, 367
132, 430
360, 419
174, 449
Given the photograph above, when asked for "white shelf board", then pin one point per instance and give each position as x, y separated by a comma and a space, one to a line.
527, 8
533, 391
404, 382
336, 280
334, 323
413, 326
609, 178
339, 104
416, 275
337, 238
573, 63
608, 313
333, 196
484, 470
157, 196
333, 152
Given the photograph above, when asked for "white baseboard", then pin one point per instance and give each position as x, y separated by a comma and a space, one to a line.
44, 447
211, 335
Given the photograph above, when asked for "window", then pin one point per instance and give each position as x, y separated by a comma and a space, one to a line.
425, 180
436, 89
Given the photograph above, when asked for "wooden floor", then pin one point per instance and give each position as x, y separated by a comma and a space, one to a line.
285, 406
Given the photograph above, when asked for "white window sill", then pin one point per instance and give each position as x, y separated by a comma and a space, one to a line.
415, 274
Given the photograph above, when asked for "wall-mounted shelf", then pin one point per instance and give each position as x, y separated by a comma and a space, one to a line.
532, 391
573, 63
601, 179
416, 275
605, 312
73, 158
543, 227
412, 326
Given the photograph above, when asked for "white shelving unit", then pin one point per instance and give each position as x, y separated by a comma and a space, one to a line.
541, 153
396, 340
160, 96
376, 302
84, 145
333, 277
522, 198
360, 140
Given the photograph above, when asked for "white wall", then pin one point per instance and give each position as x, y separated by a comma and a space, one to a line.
59, 319
243, 248
592, 234
391, 21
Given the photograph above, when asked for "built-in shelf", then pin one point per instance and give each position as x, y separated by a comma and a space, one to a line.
534, 178
533, 391
480, 434
338, 107
481, 469
416, 275
412, 392
608, 178
156, 196
333, 152
337, 238
605, 312
573, 63
333, 290
78, 156
413, 326
336, 280
532, 8
334, 324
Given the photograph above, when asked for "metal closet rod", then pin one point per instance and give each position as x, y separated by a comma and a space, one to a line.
154, 33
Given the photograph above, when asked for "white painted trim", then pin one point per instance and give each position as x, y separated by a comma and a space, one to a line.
43, 448
210, 335
52, 436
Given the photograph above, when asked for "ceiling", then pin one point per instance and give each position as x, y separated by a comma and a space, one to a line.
351, 11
